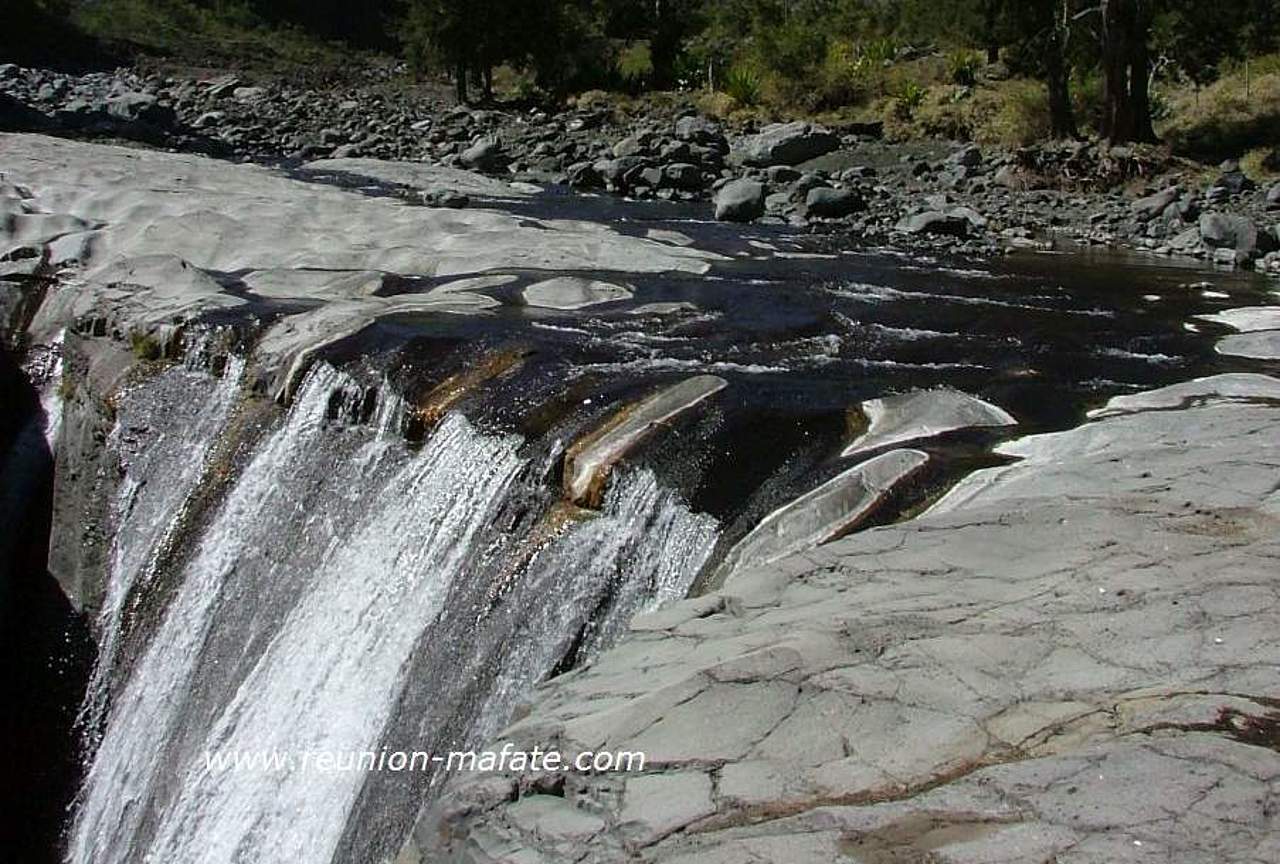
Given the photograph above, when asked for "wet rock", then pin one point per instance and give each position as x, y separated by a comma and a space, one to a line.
573, 292
822, 514
787, 144
588, 461
923, 414
740, 201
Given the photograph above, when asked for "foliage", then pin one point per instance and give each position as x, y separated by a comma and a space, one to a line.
743, 85
909, 99
962, 66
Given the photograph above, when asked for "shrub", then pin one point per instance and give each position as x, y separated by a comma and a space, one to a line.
909, 99
962, 67
743, 85
845, 76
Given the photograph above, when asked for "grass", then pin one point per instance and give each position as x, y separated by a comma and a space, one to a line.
1222, 121
230, 36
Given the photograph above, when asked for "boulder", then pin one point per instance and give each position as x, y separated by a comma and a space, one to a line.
787, 144
629, 146
1154, 205
485, 154
573, 292
934, 223
827, 203
698, 130
682, 175
740, 201
1233, 232
1273, 197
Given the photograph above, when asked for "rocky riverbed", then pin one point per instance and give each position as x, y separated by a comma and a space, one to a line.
1070, 653
843, 181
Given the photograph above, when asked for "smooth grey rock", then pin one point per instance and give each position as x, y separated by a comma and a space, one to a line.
822, 514
1062, 662
923, 414
787, 144
1246, 319
573, 292
1260, 345
1273, 197
740, 201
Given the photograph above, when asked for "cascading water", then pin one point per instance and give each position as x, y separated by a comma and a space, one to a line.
322, 607
159, 481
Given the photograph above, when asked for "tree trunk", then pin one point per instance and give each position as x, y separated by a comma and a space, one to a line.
1061, 115
664, 44
1126, 28
460, 81
990, 27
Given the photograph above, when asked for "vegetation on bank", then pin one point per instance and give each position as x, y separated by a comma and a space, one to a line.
1204, 77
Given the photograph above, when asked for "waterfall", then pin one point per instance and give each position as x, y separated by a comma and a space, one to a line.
346, 590
161, 473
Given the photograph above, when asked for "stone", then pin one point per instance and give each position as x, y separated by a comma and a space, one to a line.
698, 130
573, 292
1248, 319
787, 144
1153, 205
822, 514
934, 223
923, 414
1259, 345
1273, 197
1237, 233
740, 201
629, 146
486, 154
827, 203
660, 804
682, 175
588, 461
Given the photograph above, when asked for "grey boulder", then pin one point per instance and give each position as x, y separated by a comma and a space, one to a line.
740, 201
787, 144
827, 203
484, 155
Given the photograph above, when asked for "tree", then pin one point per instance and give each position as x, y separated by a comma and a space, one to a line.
467, 37
1126, 58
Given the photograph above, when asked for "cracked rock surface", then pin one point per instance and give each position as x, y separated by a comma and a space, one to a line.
1071, 658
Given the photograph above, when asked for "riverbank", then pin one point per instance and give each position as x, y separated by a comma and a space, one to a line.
847, 182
